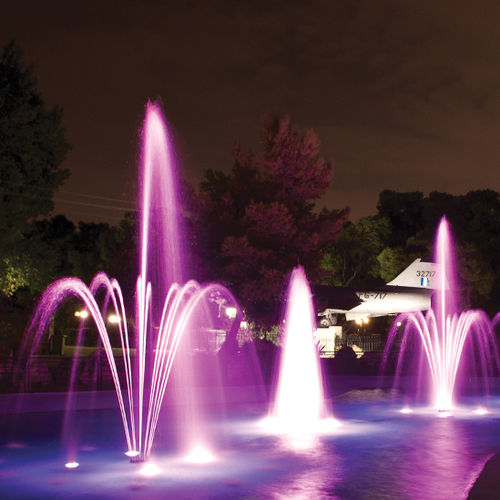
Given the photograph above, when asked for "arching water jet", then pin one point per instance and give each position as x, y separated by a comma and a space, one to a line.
444, 331
165, 309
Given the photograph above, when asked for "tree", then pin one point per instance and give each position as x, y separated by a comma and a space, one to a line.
477, 276
32, 148
352, 260
404, 211
95, 246
254, 225
475, 222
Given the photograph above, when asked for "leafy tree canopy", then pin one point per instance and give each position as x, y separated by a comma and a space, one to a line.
475, 222
352, 260
253, 225
32, 145
32, 148
380, 247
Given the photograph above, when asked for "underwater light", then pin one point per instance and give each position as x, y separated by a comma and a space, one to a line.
132, 453
481, 411
199, 455
150, 470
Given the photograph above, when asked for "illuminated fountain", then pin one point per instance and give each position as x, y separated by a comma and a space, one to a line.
445, 333
165, 310
299, 407
447, 453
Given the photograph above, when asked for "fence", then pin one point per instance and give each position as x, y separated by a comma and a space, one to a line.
54, 373
367, 343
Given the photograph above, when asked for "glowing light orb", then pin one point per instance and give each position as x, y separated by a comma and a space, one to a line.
71, 465
132, 453
231, 312
199, 455
149, 470
481, 411
406, 410
114, 319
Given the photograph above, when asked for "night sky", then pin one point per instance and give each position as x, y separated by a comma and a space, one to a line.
403, 95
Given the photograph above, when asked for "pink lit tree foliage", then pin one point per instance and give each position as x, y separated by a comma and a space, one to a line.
253, 225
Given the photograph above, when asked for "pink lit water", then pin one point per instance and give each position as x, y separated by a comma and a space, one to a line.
445, 333
166, 310
299, 405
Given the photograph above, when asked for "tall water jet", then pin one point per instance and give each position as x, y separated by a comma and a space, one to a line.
165, 310
444, 331
299, 403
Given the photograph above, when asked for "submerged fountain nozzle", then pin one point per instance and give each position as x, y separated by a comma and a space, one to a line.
135, 456
138, 459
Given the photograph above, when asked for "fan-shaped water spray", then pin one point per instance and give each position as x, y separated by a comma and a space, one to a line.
444, 331
165, 310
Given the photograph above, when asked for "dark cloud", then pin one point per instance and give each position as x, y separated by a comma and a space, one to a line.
404, 95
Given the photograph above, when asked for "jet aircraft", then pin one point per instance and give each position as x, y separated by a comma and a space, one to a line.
410, 291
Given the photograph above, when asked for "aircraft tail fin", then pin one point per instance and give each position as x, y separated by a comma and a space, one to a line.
417, 275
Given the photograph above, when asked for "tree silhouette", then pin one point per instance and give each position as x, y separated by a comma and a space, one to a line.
253, 225
32, 148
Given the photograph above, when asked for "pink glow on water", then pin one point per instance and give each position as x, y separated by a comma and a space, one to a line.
150, 470
200, 455
299, 404
481, 411
443, 330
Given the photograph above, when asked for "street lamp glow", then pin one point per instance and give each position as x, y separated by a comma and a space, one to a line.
82, 314
114, 319
231, 312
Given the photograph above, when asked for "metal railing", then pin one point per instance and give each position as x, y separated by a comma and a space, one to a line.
55, 373
367, 343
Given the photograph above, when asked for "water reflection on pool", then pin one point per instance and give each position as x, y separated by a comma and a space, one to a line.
377, 452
